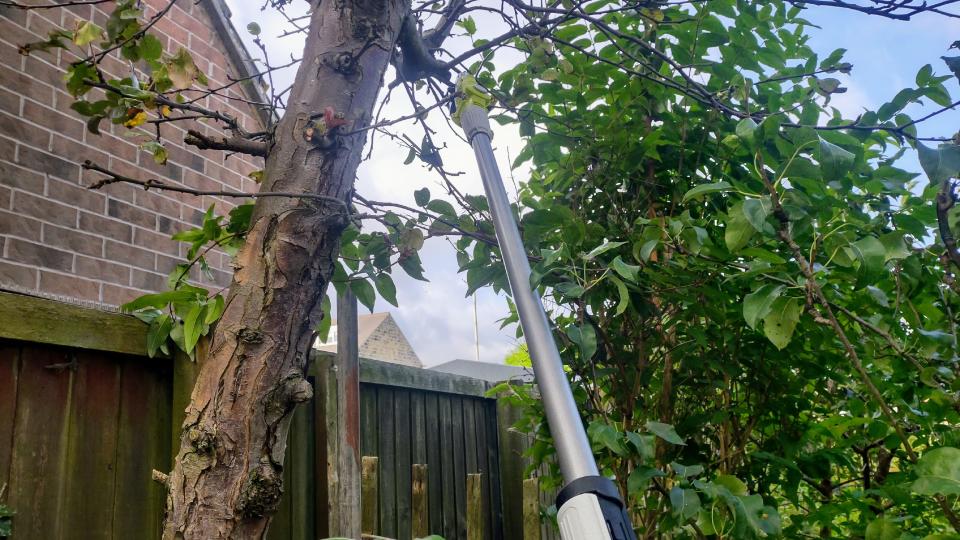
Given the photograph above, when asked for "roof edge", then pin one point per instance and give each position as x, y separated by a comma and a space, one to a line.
237, 52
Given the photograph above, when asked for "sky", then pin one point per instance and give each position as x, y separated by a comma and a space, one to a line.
436, 316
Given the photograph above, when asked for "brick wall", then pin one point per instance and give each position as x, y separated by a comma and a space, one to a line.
113, 244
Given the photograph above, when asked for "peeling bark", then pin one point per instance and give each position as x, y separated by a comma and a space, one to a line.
227, 478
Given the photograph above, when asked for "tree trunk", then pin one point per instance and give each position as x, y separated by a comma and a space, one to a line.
227, 476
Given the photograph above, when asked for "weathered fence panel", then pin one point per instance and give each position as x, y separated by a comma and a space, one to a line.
441, 421
85, 417
81, 432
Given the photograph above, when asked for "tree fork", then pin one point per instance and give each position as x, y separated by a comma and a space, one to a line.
227, 476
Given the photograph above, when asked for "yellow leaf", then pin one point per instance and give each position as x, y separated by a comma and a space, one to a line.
87, 32
165, 111
136, 120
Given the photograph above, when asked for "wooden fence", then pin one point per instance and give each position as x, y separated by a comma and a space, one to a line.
85, 417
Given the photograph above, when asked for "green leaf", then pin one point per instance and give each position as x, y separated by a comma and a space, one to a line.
323, 327
606, 436
215, 310
254, 29
193, 327
686, 502
953, 62
386, 288
665, 432
585, 337
756, 212
157, 333
421, 196
746, 130
940, 164
628, 272
872, 255
732, 483
883, 529
601, 249
151, 49
640, 476
159, 300
703, 189
87, 32
412, 266
757, 304
739, 230
938, 472
364, 292
623, 294
781, 321
686, 471
835, 162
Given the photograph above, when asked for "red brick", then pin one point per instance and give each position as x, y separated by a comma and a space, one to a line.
44, 209
48, 163
107, 227
116, 296
134, 256
18, 177
20, 226
155, 202
9, 102
20, 82
71, 286
38, 255
160, 243
72, 240
148, 280
102, 270
24, 132
131, 214
15, 274
53, 120
76, 195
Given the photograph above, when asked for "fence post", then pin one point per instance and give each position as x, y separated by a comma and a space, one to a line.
531, 509
343, 436
420, 506
370, 496
475, 507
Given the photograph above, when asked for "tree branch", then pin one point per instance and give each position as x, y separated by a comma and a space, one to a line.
231, 144
152, 183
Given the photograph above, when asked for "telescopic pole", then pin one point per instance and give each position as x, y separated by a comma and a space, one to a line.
589, 505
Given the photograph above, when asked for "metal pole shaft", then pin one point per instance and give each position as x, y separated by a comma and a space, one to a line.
573, 448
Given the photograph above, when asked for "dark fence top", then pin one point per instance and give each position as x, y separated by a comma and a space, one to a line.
40, 320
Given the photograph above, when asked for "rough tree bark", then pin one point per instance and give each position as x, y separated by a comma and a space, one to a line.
227, 476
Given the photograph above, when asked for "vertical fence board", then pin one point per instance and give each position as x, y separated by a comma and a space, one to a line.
511, 465
92, 453
403, 462
447, 469
431, 410
470, 436
418, 450
475, 522
388, 460
459, 465
143, 444
320, 369
491, 450
9, 382
420, 522
37, 461
369, 495
531, 509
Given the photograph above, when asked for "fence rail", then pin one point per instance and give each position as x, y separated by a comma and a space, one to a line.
85, 417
